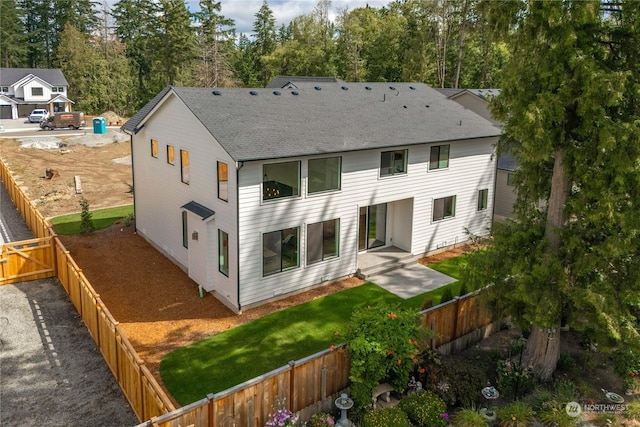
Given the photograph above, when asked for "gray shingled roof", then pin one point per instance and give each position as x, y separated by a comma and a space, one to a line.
308, 121
9, 76
281, 81
447, 91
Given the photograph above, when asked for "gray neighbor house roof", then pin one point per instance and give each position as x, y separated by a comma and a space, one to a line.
318, 118
9, 76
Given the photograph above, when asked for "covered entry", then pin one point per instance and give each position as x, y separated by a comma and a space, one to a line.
386, 224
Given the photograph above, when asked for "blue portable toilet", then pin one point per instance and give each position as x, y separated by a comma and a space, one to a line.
99, 125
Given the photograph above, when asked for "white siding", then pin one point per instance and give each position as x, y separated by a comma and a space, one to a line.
471, 168
35, 83
159, 195
505, 196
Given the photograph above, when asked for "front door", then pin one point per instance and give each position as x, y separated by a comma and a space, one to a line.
372, 226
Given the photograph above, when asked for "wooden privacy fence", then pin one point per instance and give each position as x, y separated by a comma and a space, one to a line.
308, 385
45, 257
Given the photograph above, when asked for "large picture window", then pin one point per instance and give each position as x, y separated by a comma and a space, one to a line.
483, 199
223, 181
393, 162
280, 180
444, 208
439, 157
324, 174
37, 91
323, 240
223, 252
184, 166
280, 251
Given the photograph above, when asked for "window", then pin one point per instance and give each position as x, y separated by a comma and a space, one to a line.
511, 179
223, 252
439, 157
223, 181
154, 148
54, 89
444, 208
323, 240
393, 162
281, 180
483, 199
185, 230
36, 91
171, 157
280, 251
324, 174
5, 89
60, 89
184, 166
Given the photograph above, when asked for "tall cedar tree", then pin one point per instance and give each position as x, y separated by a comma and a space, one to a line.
570, 108
216, 36
177, 45
12, 40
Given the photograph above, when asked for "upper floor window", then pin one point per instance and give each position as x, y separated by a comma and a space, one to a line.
184, 166
5, 89
154, 148
483, 199
223, 181
54, 88
60, 89
37, 91
323, 240
393, 162
444, 208
439, 157
280, 180
171, 155
511, 179
280, 251
324, 174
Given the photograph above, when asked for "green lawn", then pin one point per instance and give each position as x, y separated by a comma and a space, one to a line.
101, 218
247, 351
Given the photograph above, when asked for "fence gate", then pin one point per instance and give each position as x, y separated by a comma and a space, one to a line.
27, 260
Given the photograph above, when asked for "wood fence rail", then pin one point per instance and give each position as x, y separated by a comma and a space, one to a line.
308, 385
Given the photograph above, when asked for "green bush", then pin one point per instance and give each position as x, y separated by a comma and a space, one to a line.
469, 418
321, 419
447, 295
383, 344
565, 390
516, 414
632, 410
387, 417
514, 379
538, 398
463, 290
425, 408
553, 413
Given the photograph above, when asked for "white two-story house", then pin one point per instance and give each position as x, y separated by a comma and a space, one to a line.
24, 89
260, 193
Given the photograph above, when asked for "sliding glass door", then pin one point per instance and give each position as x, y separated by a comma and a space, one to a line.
372, 226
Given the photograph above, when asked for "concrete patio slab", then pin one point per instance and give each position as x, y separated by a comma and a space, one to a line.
411, 280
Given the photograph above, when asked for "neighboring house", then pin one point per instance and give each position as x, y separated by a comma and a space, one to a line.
260, 193
25, 89
477, 100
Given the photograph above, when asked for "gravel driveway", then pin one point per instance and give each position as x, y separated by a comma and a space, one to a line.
51, 372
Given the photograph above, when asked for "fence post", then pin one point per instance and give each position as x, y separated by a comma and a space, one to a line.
292, 386
455, 319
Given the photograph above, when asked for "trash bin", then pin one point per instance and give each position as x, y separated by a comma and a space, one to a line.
99, 125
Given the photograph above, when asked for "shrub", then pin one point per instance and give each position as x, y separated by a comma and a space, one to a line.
383, 345
470, 418
553, 413
425, 408
632, 410
516, 414
463, 289
321, 419
538, 398
447, 295
458, 381
565, 390
86, 219
387, 417
513, 378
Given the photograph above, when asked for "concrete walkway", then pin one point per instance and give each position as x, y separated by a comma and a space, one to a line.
411, 280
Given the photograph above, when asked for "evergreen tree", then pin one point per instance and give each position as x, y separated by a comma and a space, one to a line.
243, 62
38, 28
176, 46
12, 41
264, 44
571, 110
216, 37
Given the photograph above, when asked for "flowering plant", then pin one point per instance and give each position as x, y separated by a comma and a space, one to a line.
321, 420
282, 418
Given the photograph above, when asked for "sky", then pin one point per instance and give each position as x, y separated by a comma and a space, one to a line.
243, 11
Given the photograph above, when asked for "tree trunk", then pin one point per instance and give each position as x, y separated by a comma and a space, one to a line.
542, 352
465, 10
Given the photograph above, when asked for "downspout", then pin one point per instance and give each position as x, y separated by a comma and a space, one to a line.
239, 165
133, 176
